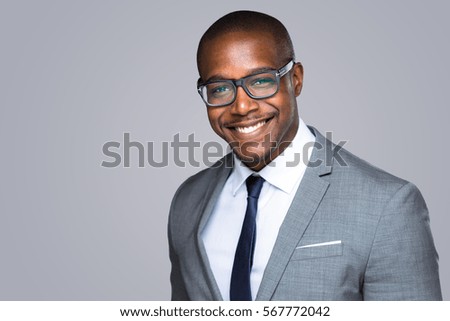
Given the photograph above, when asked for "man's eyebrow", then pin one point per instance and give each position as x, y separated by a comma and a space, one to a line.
250, 72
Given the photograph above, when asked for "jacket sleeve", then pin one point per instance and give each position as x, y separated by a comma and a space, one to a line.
179, 292
178, 288
403, 262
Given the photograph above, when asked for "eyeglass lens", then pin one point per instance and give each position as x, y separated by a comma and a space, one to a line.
223, 92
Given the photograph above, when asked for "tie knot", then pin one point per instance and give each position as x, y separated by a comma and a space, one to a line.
254, 185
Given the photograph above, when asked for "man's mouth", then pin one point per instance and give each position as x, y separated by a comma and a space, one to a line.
249, 129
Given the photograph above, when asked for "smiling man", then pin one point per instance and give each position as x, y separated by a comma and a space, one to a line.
260, 225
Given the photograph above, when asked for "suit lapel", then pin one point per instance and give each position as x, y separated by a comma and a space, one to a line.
308, 197
214, 189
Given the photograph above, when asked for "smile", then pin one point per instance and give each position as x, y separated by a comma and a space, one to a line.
249, 129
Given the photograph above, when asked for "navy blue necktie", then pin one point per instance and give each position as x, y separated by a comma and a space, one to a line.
243, 260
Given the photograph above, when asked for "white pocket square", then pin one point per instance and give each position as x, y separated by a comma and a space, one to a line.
319, 244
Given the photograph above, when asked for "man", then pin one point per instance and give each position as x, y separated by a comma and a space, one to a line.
260, 225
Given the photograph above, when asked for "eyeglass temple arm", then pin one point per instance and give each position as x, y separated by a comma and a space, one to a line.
285, 69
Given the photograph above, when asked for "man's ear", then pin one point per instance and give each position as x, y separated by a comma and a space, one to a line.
297, 77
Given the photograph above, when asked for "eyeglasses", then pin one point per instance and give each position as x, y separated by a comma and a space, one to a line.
218, 93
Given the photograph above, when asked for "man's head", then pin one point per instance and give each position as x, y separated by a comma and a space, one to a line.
239, 45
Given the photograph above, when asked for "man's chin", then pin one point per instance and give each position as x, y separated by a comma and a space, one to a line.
254, 161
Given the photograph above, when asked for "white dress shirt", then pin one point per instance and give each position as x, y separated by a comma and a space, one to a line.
222, 231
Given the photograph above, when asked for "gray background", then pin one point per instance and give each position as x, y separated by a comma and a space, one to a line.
76, 74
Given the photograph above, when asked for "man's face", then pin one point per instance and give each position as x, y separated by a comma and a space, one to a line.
254, 128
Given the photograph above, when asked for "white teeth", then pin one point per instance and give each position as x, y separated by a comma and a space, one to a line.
250, 129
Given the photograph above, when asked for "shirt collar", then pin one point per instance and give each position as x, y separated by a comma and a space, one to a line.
278, 173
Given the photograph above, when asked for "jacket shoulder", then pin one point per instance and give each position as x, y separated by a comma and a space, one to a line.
201, 180
369, 186
364, 171
195, 190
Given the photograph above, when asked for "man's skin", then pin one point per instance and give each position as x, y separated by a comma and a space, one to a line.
238, 54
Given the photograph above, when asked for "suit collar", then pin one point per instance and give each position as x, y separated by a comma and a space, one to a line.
223, 168
322, 155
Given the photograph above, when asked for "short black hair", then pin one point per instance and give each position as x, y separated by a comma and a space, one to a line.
249, 21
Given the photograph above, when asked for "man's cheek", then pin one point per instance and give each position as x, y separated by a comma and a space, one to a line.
219, 131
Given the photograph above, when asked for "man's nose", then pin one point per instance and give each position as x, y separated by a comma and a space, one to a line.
243, 103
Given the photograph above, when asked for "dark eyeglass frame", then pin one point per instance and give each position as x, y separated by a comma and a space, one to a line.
241, 83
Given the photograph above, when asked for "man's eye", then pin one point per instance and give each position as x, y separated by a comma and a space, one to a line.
263, 82
218, 91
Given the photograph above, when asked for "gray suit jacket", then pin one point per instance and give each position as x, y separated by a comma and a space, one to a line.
378, 243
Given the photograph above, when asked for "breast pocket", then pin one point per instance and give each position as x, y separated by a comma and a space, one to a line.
314, 251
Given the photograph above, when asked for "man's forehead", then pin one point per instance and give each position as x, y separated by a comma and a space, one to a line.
248, 51
238, 38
